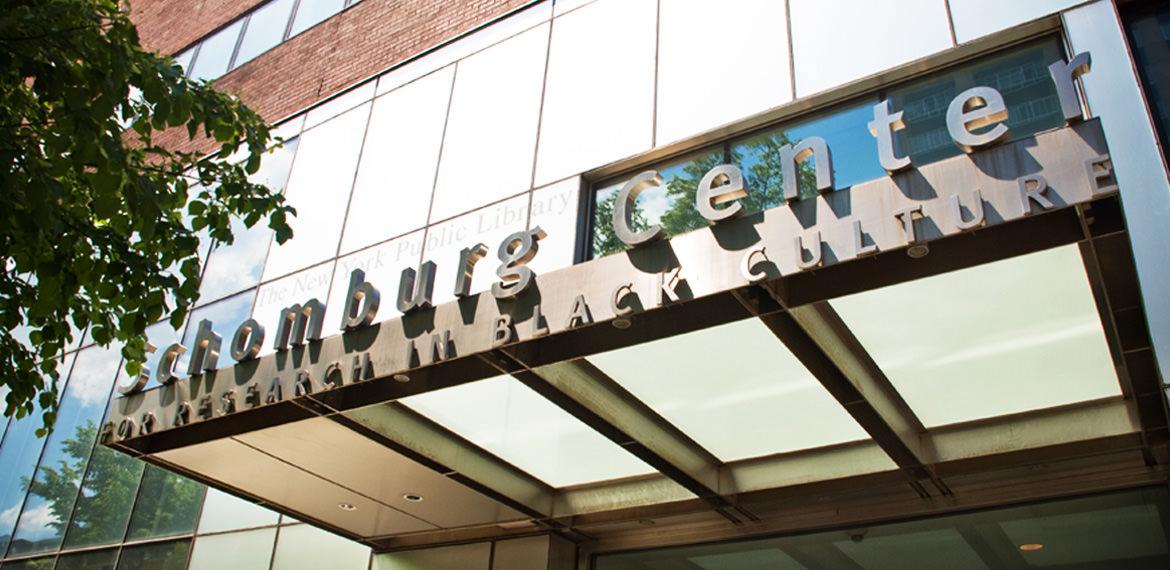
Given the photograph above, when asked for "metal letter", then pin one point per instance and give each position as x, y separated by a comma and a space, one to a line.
440, 346
859, 241
206, 409
976, 211
182, 415
623, 210
229, 402
515, 252
127, 429
148, 422
537, 328
1063, 74
746, 270
731, 187
275, 392
415, 294
247, 341
666, 287
143, 376
1035, 194
1101, 168
205, 351
300, 323
504, 332
166, 366
885, 123
303, 384
817, 251
791, 157
363, 369
467, 260
252, 396
975, 108
906, 216
580, 313
616, 298
332, 377
361, 302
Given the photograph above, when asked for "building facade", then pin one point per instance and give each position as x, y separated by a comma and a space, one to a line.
639, 284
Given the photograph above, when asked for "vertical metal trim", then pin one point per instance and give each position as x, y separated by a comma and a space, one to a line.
657, 52
951, 23
539, 115
791, 49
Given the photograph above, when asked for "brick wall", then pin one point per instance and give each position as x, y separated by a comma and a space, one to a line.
351, 46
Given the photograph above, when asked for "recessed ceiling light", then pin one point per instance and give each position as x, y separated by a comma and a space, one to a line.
918, 251
621, 323
401, 378
346, 507
1031, 546
412, 497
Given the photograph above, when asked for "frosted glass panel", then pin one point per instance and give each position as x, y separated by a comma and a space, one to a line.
1010, 336
491, 131
488, 226
975, 18
396, 176
318, 187
599, 95
837, 41
302, 547
735, 389
510, 420
383, 265
297, 288
222, 511
248, 550
719, 61
554, 209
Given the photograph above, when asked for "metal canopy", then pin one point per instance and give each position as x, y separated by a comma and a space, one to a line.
355, 457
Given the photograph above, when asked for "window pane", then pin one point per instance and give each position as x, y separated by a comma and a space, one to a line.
162, 556
1021, 76
222, 511
303, 547
837, 41
235, 267
845, 133
599, 95
248, 550
703, 79
99, 560
55, 486
107, 497
975, 18
312, 12
215, 53
265, 30
392, 194
318, 187
491, 129
18, 459
671, 205
225, 316
168, 504
38, 564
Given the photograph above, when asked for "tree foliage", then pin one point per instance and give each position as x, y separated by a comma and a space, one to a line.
100, 222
